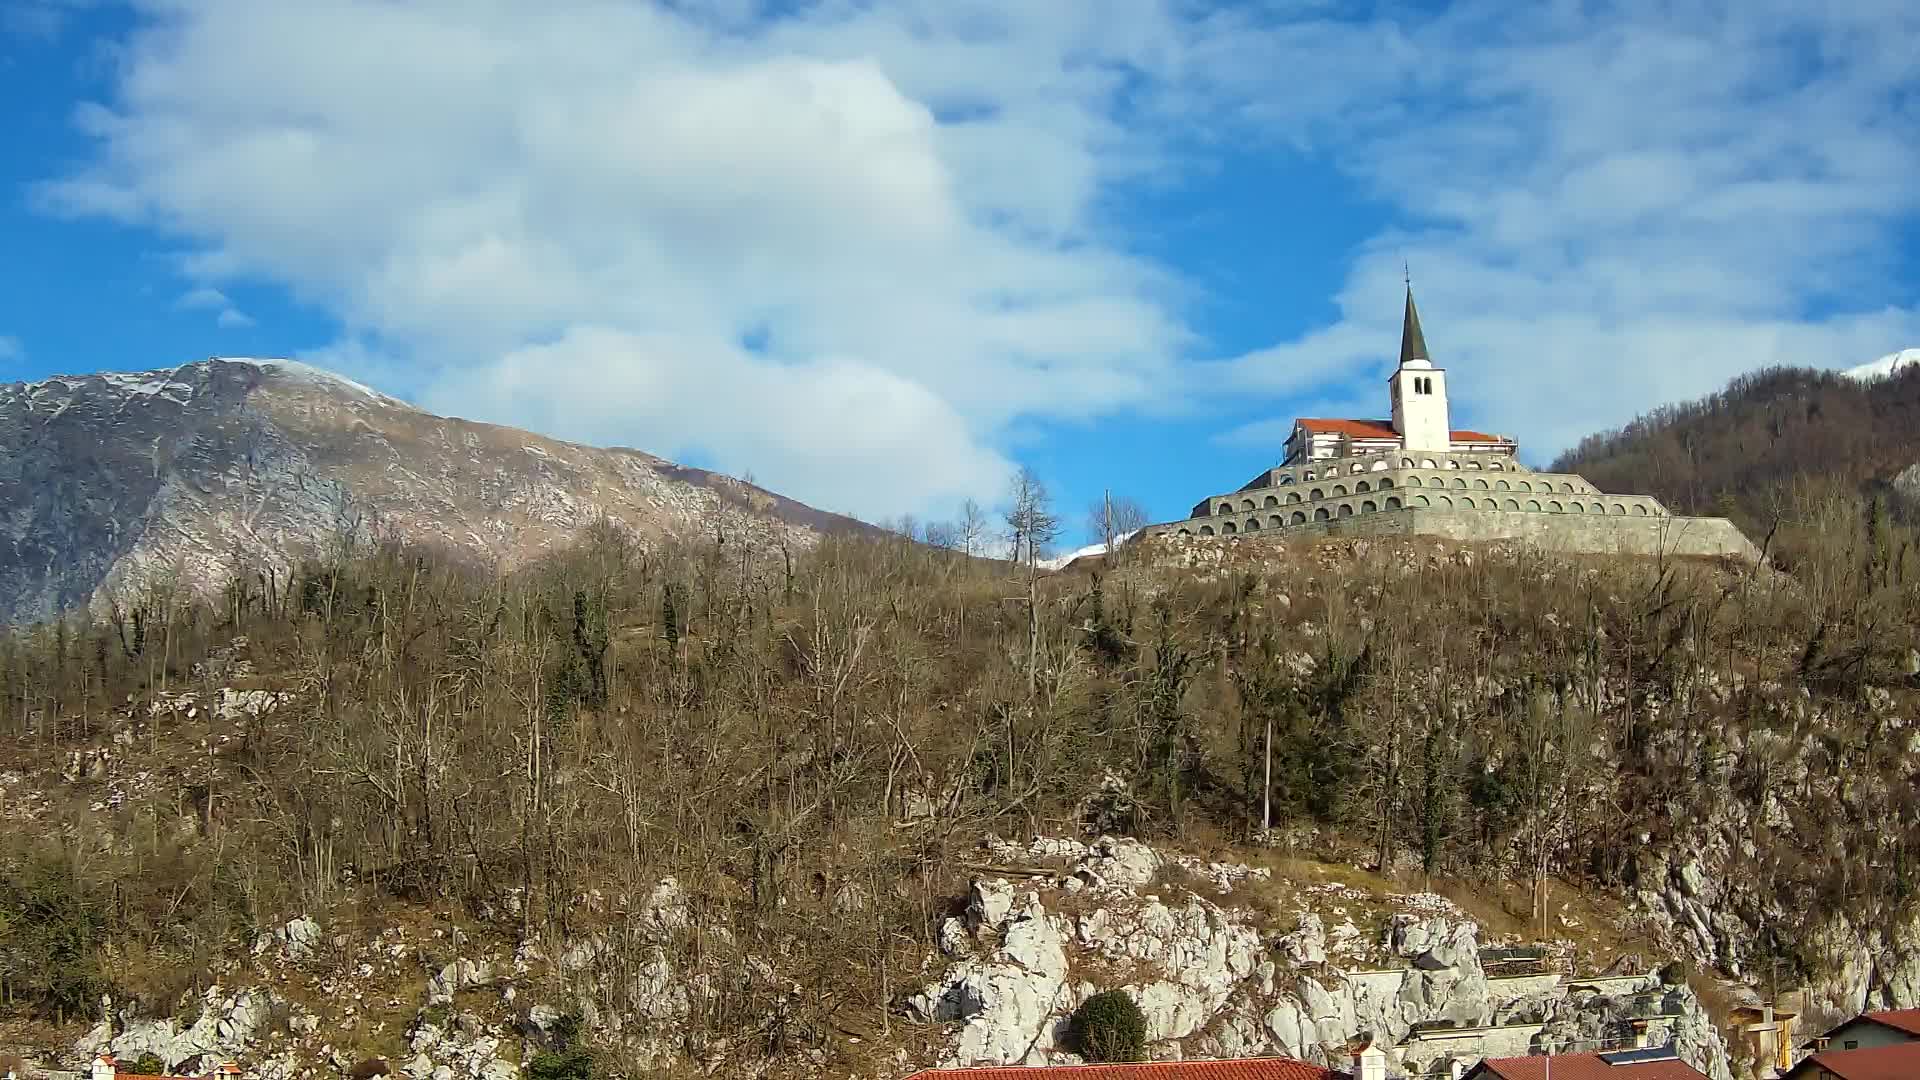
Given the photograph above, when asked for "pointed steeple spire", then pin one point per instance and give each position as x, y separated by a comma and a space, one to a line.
1413, 344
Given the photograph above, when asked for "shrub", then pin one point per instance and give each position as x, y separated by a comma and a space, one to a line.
567, 1060
1110, 1027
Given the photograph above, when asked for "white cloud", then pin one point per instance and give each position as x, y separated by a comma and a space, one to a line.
204, 297
837, 427
11, 349
571, 219
207, 298
462, 185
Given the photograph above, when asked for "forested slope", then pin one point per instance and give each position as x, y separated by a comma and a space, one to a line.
812, 752
1758, 450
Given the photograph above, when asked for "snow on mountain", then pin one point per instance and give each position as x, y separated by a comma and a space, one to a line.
295, 369
1886, 365
1060, 561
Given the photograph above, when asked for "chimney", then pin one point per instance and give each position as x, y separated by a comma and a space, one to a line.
1369, 1061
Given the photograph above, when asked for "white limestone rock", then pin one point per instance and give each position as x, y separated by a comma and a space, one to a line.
1307, 944
1011, 1002
988, 904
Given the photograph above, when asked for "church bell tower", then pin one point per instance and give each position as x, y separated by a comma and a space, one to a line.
1419, 391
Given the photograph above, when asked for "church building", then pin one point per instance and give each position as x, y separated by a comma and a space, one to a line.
1420, 420
1415, 474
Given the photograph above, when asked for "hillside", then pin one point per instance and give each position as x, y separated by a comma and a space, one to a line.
677, 808
116, 484
1771, 442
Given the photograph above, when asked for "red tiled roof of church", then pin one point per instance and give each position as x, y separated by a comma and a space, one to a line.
1244, 1069
1378, 429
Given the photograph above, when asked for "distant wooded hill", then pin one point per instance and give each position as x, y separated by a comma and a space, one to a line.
1762, 446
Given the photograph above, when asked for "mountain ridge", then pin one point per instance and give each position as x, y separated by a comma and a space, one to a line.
121, 480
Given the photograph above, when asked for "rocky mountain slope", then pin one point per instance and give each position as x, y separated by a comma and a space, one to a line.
113, 482
763, 828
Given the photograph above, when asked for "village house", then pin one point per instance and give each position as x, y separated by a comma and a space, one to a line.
1890, 1061
105, 1067
1640, 1063
1887, 1027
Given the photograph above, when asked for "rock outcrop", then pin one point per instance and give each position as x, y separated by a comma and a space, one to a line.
1213, 982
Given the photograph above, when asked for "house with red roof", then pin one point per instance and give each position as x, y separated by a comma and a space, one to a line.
1889, 1061
1644, 1063
1887, 1027
106, 1067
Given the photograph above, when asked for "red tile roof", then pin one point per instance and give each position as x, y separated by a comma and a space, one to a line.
1377, 429
1907, 1020
1901, 1061
1242, 1069
1585, 1067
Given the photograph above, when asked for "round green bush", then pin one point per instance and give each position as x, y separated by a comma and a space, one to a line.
1109, 1027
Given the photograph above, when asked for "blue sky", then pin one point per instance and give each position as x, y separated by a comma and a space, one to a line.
876, 254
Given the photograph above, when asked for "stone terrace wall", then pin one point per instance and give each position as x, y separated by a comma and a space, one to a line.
1589, 534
